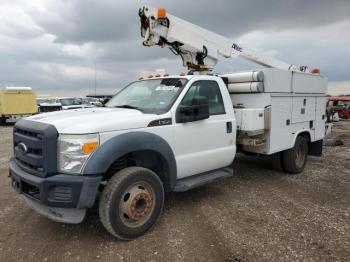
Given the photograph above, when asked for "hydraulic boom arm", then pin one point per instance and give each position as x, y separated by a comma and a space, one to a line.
199, 48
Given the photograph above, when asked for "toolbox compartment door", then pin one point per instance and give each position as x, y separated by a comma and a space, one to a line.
320, 120
303, 109
281, 136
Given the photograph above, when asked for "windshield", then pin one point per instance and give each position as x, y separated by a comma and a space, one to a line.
154, 96
69, 101
41, 101
46, 101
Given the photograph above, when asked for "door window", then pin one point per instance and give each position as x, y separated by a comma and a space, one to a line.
209, 89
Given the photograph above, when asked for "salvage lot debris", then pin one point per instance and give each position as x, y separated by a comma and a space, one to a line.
332, 142
257, 215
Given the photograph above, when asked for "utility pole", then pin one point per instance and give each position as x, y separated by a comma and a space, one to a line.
95, 77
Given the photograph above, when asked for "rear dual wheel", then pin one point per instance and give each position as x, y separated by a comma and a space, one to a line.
292, 160
131, 202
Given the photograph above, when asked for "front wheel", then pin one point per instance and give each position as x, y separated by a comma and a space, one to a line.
131, 202
294, 159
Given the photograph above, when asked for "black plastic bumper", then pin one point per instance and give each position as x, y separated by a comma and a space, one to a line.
67, 191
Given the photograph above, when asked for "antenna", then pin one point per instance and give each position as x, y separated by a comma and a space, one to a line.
95, 77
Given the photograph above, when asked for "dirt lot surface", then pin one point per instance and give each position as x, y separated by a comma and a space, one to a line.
257, 215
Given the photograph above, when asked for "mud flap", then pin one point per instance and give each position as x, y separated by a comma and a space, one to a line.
315, 148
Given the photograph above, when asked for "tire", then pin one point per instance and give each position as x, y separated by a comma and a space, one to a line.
295, 159
131, 202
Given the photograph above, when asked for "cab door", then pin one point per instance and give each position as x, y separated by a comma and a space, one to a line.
208, 144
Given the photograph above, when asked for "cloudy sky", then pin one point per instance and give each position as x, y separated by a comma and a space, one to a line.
54, 45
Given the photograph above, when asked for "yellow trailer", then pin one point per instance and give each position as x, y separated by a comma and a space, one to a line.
17, 102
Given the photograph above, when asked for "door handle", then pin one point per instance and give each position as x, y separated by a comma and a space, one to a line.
229, 127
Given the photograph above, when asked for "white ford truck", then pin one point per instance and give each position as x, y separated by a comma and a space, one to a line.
165, 134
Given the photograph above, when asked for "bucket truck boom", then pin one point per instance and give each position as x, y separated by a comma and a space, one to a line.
200, 49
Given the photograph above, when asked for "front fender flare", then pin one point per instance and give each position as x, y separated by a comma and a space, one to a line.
123, 144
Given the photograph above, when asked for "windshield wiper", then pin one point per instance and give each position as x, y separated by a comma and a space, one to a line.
129, 107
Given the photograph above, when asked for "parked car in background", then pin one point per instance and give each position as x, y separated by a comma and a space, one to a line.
338, 105
343, 111
17, 102
91, 101
103, 98
48, 105
72, 103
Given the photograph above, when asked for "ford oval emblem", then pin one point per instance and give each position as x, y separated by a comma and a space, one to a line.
23, 148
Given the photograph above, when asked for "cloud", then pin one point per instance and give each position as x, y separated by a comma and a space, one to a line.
107, 20
55, 44
336, 88
325, 47
16, 22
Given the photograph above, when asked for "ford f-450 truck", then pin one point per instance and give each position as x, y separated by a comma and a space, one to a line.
165, 134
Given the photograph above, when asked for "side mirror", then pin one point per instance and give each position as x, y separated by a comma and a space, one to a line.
199, 110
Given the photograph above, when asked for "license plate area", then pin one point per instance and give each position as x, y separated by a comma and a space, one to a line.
22, 187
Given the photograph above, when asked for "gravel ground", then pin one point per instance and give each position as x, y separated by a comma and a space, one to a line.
257, 215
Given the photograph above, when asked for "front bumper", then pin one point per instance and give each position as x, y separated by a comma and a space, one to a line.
61, 191
58, 214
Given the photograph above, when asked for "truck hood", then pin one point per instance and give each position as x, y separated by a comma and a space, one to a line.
94, 120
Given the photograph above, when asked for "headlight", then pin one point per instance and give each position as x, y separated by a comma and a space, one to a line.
74, 150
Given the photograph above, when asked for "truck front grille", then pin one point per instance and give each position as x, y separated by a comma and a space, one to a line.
35, 147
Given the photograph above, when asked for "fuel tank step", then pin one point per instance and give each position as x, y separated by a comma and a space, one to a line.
188, 183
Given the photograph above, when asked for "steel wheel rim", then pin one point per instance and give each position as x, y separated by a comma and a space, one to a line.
300, 156
137, 204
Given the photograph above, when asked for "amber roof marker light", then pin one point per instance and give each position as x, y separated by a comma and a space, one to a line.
315, 71
161, 13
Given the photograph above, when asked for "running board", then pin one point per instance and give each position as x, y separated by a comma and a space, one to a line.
188, 183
